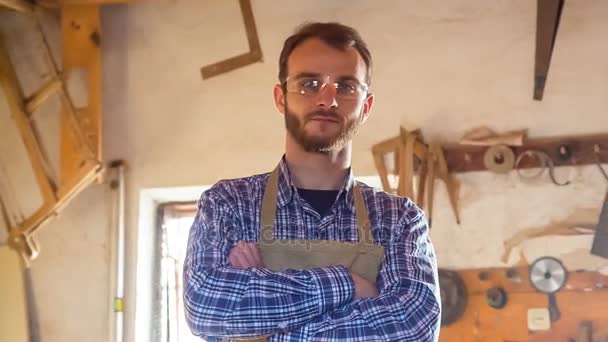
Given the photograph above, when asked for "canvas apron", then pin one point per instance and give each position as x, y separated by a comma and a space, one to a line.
363, 257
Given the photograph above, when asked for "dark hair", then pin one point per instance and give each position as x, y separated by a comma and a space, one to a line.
336, 35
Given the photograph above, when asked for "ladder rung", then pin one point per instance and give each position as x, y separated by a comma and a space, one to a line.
34, 102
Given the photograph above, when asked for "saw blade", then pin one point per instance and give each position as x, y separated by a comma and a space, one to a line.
548, 275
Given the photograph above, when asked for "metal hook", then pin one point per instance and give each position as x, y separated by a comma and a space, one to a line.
564, 153
545, 163
551, 165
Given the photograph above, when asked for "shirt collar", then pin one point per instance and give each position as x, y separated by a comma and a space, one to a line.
287, 188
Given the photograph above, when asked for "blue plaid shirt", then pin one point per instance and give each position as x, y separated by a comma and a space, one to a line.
313, 304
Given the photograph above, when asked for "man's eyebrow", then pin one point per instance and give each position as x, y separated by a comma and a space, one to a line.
347, 78
306, 74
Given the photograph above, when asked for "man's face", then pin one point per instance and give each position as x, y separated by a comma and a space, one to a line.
325, 119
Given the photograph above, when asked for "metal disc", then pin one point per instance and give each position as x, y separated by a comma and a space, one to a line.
548, 274
499, 159
496, 297
453, 296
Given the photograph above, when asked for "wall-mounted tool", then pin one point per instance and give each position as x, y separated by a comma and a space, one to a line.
597, 154
80, 140
564, 153
437, 167
548, 275
412, 157
583, 150
254, 54
544, 160
394, 149
600, 241
454, 297
548, 16
499, 159
513, 275
496, 297
585, 332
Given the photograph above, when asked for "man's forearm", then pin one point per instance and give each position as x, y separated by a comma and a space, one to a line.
225, 301
413, 315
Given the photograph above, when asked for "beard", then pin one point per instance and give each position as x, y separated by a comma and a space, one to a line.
321, 144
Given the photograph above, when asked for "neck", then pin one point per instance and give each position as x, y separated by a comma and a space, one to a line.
317, 171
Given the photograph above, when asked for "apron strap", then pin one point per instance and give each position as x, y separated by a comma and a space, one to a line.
363, 225
269, 207
269, 211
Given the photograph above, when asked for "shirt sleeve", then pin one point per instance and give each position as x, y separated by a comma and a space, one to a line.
223, 301
408, 307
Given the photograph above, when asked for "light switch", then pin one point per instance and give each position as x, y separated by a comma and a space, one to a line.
539, 319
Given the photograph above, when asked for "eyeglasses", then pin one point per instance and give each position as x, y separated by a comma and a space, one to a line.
310, 86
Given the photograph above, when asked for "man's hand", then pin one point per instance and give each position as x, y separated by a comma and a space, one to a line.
245, 255
363, 287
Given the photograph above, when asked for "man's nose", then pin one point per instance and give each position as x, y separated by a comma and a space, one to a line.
327, 96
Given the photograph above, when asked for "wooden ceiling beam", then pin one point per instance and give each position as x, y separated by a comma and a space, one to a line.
548, 16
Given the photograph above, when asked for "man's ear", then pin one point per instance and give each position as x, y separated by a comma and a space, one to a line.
279, 98
367, 107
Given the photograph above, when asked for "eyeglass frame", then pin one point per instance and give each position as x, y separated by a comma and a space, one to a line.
364, 87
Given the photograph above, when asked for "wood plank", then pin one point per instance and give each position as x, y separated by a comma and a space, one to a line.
480, 322
18, 5
547, 22
466, 158
34, 101
87, 174
14, 323
81, 34
516, 280
392, 145
64, 195
382, 171
14, 98
72, 119
83, 168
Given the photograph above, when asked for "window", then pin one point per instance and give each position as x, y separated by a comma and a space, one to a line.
176, 222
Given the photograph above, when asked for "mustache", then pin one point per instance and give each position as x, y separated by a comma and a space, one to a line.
329, 114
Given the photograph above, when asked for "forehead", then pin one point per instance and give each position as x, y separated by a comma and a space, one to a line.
315, 56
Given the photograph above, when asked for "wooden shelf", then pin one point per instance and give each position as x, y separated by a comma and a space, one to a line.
584, 150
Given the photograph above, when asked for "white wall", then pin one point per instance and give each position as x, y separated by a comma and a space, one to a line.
440, 66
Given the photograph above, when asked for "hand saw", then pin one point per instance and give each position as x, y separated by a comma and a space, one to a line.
600, 241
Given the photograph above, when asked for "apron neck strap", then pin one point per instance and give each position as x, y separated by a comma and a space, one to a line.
269, 207
269, 211
363, 225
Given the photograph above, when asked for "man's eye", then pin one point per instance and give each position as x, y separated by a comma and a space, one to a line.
310, 84
346, 87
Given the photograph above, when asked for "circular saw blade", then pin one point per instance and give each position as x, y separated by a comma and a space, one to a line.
454, 298
548, 274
